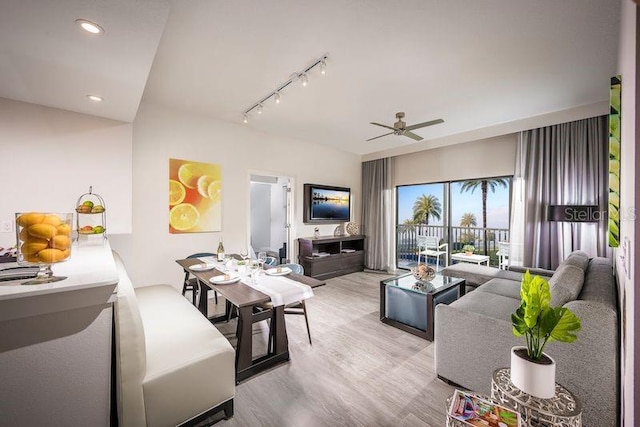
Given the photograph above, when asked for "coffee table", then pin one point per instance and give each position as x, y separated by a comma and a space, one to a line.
473, 259
409, 304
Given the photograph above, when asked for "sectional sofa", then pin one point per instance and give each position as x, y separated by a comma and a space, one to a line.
473, 335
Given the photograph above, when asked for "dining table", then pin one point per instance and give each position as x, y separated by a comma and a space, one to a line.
247, 304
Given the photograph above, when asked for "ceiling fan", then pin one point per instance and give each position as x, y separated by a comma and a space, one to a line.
401, 128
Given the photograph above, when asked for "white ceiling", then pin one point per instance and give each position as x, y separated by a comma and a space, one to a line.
479, 65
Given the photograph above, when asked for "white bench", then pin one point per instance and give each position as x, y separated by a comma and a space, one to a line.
173, 367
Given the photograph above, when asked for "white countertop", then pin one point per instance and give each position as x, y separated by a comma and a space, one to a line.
91, 280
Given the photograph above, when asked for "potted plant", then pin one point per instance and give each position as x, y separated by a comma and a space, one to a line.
533, 371
468, 249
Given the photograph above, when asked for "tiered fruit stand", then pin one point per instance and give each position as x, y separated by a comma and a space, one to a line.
91, 218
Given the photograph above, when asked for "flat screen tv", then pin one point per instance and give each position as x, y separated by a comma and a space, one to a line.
324, 204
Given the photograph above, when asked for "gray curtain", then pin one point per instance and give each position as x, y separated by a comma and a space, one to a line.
565, 164
377, 212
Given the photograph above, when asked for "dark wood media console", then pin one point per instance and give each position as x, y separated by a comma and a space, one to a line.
345, 254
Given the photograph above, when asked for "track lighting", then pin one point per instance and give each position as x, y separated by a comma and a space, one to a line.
301, 75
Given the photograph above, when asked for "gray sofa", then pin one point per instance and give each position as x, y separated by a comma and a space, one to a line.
473, 335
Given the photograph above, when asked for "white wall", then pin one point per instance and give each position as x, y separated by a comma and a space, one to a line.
476, 159
160, 133
627, 68
49, 157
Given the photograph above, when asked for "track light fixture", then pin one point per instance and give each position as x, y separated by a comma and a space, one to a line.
301, 75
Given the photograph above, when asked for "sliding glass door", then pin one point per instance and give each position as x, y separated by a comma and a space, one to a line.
469, 212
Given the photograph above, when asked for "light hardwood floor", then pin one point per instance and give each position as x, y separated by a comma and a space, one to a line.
358, 372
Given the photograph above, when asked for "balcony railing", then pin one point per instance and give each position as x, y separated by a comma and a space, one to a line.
457, 237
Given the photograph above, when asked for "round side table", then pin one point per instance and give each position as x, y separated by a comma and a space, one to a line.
562, 410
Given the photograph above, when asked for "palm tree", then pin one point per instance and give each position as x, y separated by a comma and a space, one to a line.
485, 185
468, 220
425, 207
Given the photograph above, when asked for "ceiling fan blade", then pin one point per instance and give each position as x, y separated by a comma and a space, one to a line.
412, 135
421, 125
390, 133
384, 126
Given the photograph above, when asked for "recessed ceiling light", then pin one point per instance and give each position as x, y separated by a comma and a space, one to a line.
95, 98
90, 27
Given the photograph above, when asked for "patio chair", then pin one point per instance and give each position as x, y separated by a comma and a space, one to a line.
429, 247
503, 255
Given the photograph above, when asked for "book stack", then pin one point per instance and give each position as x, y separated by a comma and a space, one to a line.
18, 273
320, 254
471, 410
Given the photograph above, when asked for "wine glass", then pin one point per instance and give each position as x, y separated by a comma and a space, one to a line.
254, 271
244, 254
262, 258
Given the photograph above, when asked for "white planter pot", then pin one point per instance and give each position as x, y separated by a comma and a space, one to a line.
535, 379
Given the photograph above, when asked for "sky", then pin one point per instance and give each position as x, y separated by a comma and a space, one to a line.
497, 203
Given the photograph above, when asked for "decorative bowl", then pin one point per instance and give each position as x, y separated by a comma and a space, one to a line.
43, 239
423, 272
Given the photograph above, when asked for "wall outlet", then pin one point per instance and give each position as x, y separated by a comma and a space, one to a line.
6, 227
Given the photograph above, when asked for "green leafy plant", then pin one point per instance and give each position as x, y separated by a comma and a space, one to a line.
538, 321
468, 248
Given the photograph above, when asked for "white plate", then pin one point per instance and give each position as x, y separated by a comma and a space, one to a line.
221, 280
274, 271
202, 267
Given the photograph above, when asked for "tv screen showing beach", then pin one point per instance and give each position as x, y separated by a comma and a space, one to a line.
329, 204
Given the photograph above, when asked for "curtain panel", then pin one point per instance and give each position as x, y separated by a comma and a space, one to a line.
377, 212
565, 164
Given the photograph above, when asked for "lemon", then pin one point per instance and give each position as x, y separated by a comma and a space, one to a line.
60, 242
203, 185
52, 219
177, 192
214, 190
64, 229
43, 231
30, 218
52, 255
189, 173
183, 216
32, 248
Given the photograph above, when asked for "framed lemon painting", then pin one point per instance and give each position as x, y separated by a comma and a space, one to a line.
195, 197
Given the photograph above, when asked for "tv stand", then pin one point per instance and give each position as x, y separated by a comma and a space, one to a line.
325, 257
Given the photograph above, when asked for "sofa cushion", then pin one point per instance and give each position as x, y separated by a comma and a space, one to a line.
578, 259
478, 274
182, 348
130, 351
565, 284
504, 287
599, 283
495, 306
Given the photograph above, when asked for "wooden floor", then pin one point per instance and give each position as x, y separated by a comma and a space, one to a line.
359, 371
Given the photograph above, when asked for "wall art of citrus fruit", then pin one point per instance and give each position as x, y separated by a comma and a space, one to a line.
614, 162
195, 197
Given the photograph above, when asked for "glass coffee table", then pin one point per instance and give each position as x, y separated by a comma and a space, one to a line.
409, 304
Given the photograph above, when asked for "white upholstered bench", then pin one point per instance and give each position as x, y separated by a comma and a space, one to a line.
173, 367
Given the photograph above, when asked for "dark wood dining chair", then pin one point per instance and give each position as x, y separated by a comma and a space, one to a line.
191, 284
298, 308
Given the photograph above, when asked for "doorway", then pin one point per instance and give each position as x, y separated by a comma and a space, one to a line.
270, 217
